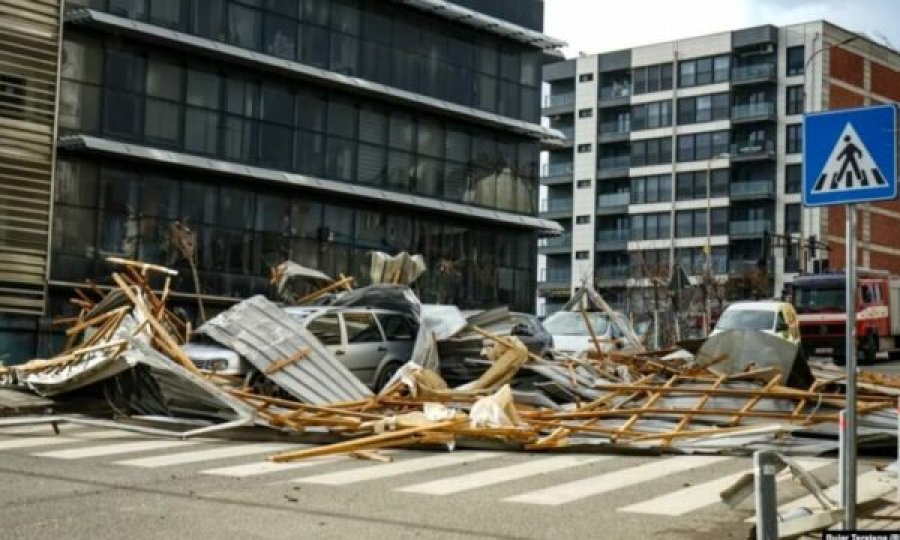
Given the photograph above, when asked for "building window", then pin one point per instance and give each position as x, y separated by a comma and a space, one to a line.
794, 138
795, 60
584, 148
651, 79
703, 108
582, 255
585, 113
582, 220
690, 223
651, 115
581, 184
586, 77
701, 71
794, 99
651, 189
692, 185
651, 226
792, 178
651, 151
700, 146
791, 219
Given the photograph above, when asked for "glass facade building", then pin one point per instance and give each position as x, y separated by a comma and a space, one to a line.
269, 127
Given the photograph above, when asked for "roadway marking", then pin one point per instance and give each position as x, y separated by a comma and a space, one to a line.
492, 477
603, 483
378, 471
183, 458
31, 442
686, 500
112, 449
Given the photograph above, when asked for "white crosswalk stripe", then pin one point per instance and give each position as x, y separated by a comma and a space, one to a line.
32, 442
500, 475
604, 483
267, 467
683, 501
379, 471
184, 458
38, 428
113, 449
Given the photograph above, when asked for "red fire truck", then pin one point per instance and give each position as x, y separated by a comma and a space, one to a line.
821, 307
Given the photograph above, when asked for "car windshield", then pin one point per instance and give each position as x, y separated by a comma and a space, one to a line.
571, 323
818, 300
746, 319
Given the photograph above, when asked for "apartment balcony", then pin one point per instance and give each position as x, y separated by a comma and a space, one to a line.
556, 244
613, 131
752, 151
555, 278
556, 173
749, 228
745, 266
554, 208
612, 239
613, 203
568, 131
613, 166
753, 112
615, 95
760, 73
755, 190
613, 273
558, 103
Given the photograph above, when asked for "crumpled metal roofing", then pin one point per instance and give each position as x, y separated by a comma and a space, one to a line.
262, 333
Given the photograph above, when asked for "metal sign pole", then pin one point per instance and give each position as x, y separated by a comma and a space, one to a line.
848, 451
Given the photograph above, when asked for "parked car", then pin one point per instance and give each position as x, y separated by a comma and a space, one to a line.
772, 317
372, 343
571, 335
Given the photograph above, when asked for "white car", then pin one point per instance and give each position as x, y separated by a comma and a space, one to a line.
772, 317
571, 335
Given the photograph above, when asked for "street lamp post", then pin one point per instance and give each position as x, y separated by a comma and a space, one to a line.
707, 271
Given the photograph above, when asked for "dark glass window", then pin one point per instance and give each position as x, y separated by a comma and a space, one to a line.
203, 89
707, 108
700, 146
276, 104
795, 60
700, 71
208, 19
794, 138
166, 13
280, 36
792, 178
791, 218
243, 26
794, 95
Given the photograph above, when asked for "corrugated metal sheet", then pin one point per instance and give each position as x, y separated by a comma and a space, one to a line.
29, 65
262, 333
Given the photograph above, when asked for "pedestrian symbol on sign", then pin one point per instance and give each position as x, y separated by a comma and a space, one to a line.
849, 167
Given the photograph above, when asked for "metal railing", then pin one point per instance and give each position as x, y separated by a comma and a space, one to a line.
615, 127
753, 188
749, 73
555, 275
556, 169
752, 148
613, 235
564, 240
558, 204
614, 162
556, 100
615, 91
613, 199
613, 272
756, 226
752, 110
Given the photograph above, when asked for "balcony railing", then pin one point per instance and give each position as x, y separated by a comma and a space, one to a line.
752, 73
557, 100
613, 272
567, 131
752, 148
614, 162
613, 199
756, 226
564, 240
752, 110
756, 188
558, 204
615, 127
555, 275
556, 169
615, 91
613, 235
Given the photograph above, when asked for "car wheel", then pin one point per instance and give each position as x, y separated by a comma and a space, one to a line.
386, 373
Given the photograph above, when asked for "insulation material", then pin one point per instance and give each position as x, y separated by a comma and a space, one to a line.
496, 410
403, 268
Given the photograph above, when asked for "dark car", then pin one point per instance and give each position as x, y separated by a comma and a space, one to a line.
460, 356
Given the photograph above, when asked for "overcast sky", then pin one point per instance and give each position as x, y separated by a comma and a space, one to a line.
593, 26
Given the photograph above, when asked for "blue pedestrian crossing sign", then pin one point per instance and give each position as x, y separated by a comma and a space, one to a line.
850, 156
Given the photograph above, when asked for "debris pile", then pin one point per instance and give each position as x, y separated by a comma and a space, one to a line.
742, 391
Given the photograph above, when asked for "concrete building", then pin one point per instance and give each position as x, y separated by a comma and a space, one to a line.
675, 146
311, 130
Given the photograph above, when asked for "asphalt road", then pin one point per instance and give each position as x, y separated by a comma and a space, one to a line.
95, 483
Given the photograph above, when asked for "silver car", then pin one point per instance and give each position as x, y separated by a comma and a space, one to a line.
372, 343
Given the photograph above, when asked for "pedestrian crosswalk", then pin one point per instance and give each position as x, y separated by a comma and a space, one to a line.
516, 480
